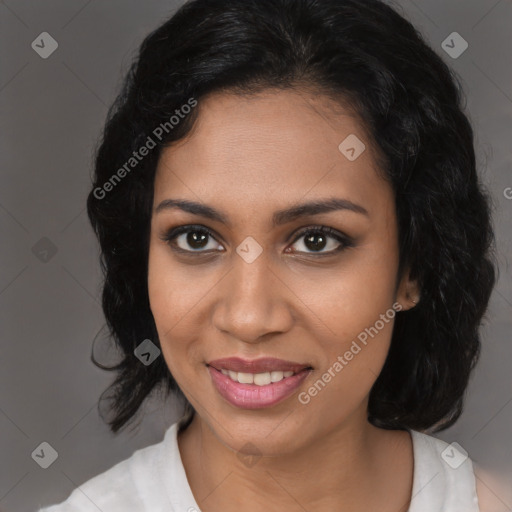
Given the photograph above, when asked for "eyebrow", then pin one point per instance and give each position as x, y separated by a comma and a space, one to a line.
280, 217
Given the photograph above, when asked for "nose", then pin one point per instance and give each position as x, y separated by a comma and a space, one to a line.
253, 302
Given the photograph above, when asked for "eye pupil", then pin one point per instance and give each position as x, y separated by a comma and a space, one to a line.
197, 239
193, 239
310, 244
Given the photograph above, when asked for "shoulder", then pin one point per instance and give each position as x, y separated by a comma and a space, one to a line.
443, 476
447, 469
122, 488
493, 493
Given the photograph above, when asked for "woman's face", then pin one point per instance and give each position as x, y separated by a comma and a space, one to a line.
267, 284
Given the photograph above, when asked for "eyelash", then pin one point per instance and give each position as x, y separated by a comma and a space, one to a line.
346, 242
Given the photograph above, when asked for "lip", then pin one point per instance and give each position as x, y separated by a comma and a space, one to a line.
262, 365
252, 396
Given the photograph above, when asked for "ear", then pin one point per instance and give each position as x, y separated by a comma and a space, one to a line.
408, 292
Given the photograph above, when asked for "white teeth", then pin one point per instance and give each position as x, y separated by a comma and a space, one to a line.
276, 376
260, 379
245, 378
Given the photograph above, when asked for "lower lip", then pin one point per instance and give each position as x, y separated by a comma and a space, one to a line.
251, 396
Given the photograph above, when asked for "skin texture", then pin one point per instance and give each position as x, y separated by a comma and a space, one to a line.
494, 490
249, 157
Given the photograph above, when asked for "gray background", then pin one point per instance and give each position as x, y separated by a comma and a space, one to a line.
52, 111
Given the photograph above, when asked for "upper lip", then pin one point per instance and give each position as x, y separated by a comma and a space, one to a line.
262, 365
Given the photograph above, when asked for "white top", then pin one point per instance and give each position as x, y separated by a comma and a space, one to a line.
153, 479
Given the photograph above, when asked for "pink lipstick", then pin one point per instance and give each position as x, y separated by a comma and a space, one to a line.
259, 383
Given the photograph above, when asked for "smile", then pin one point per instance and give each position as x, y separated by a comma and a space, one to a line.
246, 390
260, 379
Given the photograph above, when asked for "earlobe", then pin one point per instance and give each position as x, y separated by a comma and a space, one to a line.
414, 298
408, 293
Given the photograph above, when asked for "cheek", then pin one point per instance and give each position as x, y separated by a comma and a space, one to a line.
356, 306
176, 296
351, 298
360, 329
354, 350
173, 292
169, 302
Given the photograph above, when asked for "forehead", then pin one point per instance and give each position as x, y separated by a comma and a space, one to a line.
262, 149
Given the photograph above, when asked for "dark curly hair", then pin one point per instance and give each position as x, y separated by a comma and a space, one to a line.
362, 53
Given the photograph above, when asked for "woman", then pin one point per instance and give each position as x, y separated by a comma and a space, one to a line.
295, 242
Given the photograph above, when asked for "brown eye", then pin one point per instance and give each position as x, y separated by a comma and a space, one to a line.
192, 239
196, 239
321, 240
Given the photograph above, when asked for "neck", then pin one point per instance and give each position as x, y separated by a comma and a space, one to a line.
348, 467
